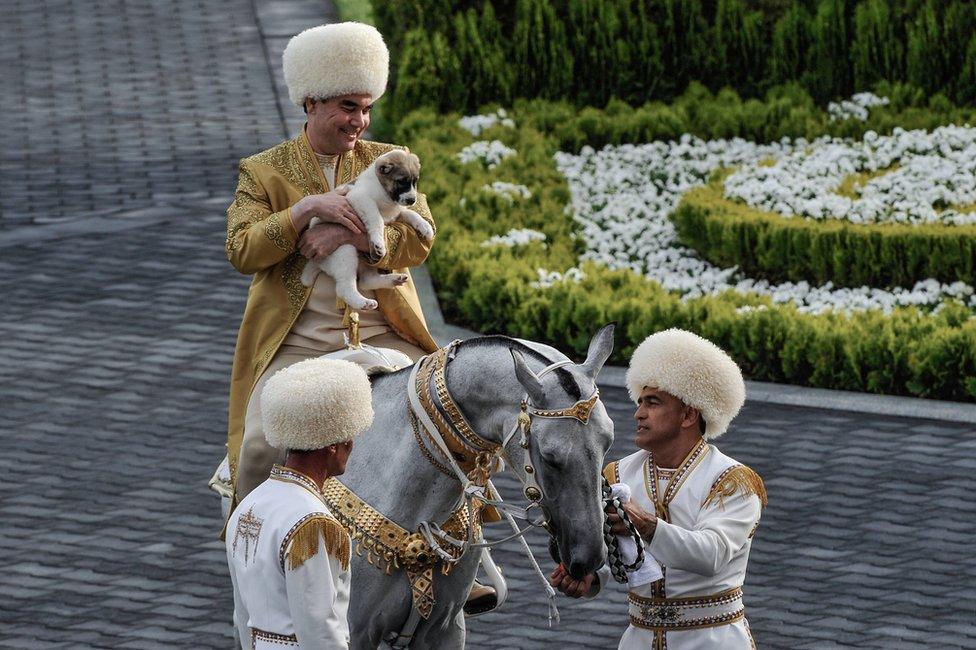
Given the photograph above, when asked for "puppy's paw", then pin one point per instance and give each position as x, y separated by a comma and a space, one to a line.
369, 305
399, 279
377, 249
424, 231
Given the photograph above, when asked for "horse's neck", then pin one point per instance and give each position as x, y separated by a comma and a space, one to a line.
387, 469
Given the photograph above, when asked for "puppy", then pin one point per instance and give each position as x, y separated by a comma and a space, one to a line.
380, 196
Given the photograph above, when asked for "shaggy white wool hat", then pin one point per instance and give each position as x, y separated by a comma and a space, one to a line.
316, 403
338, 59
694, 370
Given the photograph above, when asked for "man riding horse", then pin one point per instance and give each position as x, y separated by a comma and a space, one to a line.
334, 73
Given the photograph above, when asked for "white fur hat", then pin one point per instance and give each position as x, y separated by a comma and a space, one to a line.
316, 403
338, 59
694, 370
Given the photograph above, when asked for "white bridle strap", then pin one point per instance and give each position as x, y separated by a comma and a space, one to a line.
421, 413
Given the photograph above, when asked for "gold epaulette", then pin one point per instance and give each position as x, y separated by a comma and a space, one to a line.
612, 472
737, 478
304, 538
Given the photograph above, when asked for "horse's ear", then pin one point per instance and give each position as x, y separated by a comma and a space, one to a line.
601, 345
530, 382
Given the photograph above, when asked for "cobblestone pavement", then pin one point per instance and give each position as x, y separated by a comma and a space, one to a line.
114, 105
115, 351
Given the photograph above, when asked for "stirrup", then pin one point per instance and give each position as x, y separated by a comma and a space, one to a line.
488, 602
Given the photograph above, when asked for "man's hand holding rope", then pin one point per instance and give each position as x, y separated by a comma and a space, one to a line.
645, 522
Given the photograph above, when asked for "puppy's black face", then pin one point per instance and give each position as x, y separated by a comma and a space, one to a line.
398, 173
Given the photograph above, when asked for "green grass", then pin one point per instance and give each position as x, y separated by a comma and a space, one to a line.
360, 11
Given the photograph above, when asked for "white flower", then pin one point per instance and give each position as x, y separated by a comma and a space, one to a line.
489, 153
515, 237
548, 278
928, 171
856, 108
508, 191
475, 124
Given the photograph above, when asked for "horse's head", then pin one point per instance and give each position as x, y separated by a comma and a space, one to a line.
567, 446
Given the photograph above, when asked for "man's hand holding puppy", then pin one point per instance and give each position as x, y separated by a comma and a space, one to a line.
339, 224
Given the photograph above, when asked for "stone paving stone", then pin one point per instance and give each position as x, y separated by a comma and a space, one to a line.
138, 102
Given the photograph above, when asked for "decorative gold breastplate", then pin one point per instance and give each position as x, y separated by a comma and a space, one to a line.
389, 546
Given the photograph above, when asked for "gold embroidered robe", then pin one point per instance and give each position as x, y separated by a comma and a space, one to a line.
261, 240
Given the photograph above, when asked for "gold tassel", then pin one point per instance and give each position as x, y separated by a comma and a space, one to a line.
305, 542
610, 473
735, 479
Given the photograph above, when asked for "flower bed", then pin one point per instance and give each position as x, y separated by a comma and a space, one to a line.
544, 290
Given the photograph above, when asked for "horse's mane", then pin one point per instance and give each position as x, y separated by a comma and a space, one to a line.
566, 379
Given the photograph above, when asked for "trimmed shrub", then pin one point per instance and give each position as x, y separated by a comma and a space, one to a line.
780, 248
787, 111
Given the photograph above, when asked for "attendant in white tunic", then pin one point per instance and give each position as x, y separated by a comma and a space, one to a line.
695, 508
288, 556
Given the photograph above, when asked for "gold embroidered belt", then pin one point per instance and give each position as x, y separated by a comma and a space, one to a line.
389, 546
663, 614
261, 640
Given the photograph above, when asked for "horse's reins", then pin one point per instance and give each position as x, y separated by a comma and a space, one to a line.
487, 455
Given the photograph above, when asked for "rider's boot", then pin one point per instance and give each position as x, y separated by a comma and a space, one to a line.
485, 598
481, 599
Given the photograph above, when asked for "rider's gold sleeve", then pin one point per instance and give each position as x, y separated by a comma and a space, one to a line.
404, 247
257, 238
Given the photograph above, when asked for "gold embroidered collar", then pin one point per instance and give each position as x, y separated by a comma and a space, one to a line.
289, 475
675, 481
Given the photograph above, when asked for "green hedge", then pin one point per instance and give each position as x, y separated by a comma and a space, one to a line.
908, 352
780, 248
785, 112
460, 54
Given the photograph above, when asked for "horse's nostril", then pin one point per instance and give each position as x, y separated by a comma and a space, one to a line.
577, 570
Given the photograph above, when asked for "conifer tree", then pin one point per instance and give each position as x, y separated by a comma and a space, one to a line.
829, 75
639, 74
958, 28
541, 54
791, 45
925, 66
738, 46
966, 84
481, 59
877, 52
684, 43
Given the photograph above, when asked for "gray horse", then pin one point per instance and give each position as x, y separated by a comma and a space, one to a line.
487, 378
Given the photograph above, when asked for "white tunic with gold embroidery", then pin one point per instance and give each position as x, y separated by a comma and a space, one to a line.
289, 563
709, 510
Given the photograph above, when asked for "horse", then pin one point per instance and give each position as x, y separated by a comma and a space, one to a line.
393, 471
